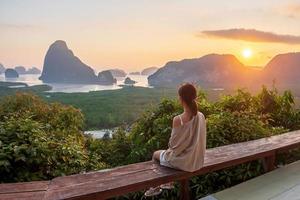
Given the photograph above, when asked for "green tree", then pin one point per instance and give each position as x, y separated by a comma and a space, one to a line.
40, 140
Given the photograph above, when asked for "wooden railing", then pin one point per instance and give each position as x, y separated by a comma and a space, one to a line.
130, 178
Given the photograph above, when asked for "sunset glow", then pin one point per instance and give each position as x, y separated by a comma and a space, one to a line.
128, 35
247, 53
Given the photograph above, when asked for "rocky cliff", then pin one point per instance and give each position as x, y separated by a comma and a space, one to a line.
149, 71
11, 73
118, 72
212, 70
106, 78
283, 68
33, 70
20, 69
129, 81
62, 66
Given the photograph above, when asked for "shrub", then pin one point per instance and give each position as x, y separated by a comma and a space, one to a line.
39, 140
279, 109
112, 151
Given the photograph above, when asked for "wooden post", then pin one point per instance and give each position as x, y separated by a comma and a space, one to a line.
269, 163
184, 191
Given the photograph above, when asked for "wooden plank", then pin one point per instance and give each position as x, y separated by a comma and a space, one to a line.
117, 185
23, 196
24, 187
184, 189
135, 177
217, 158
269, 163
101, 174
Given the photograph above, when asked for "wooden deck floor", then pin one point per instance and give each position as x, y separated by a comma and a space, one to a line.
280, 184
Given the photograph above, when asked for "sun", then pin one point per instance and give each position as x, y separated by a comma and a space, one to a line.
247, 53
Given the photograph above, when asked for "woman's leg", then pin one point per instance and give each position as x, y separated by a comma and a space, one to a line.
153, 191
156, 156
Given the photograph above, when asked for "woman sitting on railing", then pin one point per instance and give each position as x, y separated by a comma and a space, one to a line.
187, 143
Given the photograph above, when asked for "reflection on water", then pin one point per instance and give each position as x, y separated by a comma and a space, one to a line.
33, 79
218, 89
99, 133
17, 86
29, 79
69, 88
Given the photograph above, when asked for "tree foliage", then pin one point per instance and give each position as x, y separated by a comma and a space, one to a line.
40, 141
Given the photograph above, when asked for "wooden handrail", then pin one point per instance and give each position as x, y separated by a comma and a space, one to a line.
105, 184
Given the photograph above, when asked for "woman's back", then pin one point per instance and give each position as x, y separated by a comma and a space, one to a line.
187, 144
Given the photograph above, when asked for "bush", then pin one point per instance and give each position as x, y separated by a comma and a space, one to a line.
112, 151
40, 141
279, 109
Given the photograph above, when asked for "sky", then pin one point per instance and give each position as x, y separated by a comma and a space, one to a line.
135, 34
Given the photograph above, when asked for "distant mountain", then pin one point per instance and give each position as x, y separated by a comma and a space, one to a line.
135, 73
212, 70
33, 70
2, 69
20, 69
11, 73
118, 72
106, 78
61, 66
149, 71
129, 81
284, 69
224, 70
23, 70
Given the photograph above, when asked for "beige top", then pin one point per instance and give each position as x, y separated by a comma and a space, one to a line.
187, 145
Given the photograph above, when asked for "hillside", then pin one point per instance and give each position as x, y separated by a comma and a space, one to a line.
216, 70
284, 68
149, 71
212, 69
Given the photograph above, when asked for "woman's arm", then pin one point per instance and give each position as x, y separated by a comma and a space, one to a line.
176, 122
175, 137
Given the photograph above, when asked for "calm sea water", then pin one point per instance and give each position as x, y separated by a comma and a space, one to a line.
32, 79
99, 133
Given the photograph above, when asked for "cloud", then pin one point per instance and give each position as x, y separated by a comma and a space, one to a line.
291, 10
252, 35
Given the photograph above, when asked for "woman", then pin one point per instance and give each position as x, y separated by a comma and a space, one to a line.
187, 143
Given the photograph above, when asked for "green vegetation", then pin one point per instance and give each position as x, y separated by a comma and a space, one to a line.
102, 109
233, 118
111, 108
9, 88
9, 84
40, 140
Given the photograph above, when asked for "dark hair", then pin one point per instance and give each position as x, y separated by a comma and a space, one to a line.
188, 94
